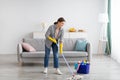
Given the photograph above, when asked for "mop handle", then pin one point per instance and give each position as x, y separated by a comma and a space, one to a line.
70, 70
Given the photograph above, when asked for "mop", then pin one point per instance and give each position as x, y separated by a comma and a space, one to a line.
74, 77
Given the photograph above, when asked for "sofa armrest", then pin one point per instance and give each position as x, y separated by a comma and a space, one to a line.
19, 51
89, 51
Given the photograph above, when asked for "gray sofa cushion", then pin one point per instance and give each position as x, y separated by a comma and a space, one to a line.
75, 53
38, 44
33, 54
69, 44
66, 53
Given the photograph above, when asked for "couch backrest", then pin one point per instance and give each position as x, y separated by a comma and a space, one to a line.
39, 44
69, 43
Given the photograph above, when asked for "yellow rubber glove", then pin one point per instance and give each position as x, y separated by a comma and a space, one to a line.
52, 39
61, 48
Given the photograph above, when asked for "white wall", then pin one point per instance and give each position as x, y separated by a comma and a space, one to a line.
115, 28
19, 18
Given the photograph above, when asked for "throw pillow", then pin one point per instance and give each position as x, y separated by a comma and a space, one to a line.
80, 45
28, 47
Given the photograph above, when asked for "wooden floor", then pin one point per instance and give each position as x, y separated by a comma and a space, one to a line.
102, 68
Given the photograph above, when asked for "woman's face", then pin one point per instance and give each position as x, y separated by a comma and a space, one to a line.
61, 24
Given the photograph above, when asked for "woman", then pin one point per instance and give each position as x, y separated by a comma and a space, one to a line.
54, 35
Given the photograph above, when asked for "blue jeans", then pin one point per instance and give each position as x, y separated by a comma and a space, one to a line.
55, 54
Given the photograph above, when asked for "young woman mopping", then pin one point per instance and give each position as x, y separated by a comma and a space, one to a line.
54, 36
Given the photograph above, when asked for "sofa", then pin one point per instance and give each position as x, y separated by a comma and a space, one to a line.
38, 56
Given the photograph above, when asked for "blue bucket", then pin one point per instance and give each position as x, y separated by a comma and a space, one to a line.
83, 69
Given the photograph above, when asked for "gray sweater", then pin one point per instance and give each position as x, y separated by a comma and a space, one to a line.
51, 32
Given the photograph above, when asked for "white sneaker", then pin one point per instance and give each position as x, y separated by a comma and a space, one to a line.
45, 71
58, 72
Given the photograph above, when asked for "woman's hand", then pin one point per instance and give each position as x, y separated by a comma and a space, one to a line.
61, 48
52, 39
